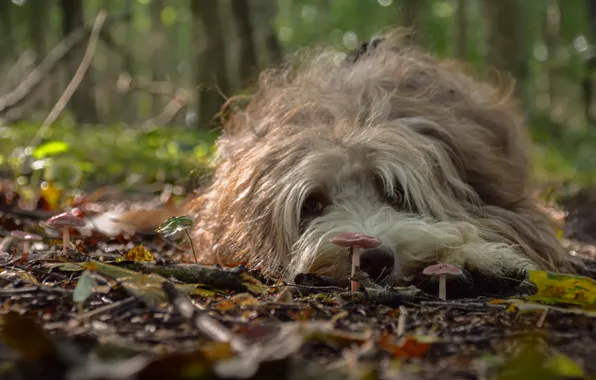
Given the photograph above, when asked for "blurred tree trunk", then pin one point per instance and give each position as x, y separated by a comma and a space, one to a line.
461, 29
552, 26
588, 82
211, 79
128, 63
265, 12
39, 13
6, 36
504, 48
247, 61
159, 49
412, 16
83, 102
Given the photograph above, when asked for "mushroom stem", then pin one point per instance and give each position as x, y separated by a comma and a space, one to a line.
443, 286
26, 248
65, 239
355, 264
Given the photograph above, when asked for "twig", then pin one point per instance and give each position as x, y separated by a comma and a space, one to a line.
24, 61
213, 277
49, 63
201, 319
122, 304
76, 79
542, 318
307, 289
387, 297
171, 109
33, 289
401, 321
127, 83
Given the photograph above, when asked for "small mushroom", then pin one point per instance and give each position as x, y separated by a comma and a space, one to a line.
355, 242
65, 220
442, 270
26, 238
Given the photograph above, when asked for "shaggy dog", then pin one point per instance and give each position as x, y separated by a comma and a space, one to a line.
388, 141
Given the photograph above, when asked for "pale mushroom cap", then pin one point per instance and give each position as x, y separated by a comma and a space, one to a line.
442, 268
350, 239
22, 235
65, 219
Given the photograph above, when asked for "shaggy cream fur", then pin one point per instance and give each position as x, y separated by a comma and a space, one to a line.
397, 144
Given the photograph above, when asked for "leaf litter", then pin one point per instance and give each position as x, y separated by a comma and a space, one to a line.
136, 306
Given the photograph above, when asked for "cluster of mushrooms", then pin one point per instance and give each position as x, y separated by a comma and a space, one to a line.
63, 221
356, 241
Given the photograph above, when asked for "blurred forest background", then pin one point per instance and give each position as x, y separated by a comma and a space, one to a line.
144, 111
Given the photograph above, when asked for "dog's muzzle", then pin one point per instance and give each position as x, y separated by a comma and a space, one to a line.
377, 262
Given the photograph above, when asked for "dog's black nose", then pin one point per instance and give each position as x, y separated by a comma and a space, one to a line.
377, 262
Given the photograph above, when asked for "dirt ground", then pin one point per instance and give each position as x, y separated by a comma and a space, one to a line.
131, 307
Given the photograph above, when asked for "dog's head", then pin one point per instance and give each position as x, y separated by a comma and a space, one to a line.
393, 143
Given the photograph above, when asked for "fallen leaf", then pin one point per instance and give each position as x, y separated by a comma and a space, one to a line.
532, 361
238, 300
409, 347
20, 274
215, 351
556, 288
148, 287
252, 284
84, 287
138, 253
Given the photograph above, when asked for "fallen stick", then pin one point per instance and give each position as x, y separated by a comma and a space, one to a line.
213, 277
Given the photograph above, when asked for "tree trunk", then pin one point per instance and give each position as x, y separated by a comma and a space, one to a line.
128, 62
38, 27
504, 38
461, 29
160, 56
552, 26
247, 61
588, 82
411, 17
83, 102
211, 79
6, 36
265, 12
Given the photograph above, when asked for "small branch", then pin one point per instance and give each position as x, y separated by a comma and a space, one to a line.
24, 61
387, 297
120, 305
77, 78
200, 319
42, 71
127, 83
213, 277
170, 111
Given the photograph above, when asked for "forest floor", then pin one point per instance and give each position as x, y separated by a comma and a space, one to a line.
133, 306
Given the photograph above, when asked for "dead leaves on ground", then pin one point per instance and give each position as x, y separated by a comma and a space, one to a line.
281, 324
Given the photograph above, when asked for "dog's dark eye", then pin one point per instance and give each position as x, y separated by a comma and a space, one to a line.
313, 205
395, 200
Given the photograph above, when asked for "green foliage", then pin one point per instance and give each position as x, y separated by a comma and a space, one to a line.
111, 154
556, 60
